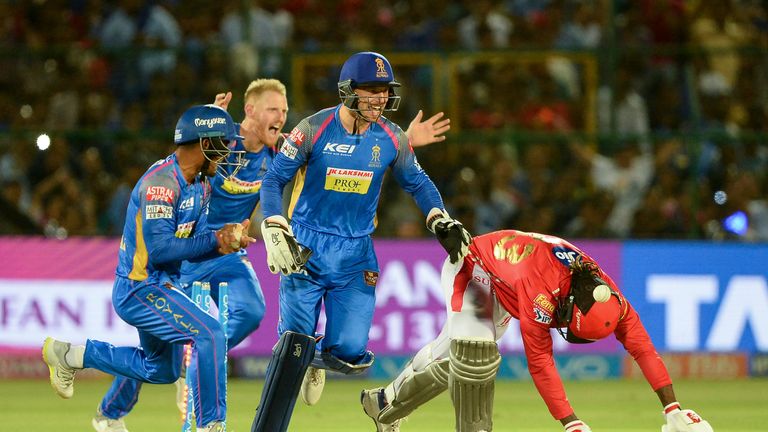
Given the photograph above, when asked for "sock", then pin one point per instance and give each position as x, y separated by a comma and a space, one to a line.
74, 357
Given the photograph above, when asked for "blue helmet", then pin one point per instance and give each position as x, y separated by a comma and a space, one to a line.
205, 121
367, 69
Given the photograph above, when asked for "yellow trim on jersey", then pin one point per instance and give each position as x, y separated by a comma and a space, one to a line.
298, 185
140, 256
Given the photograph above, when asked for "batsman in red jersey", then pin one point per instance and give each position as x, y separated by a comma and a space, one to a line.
544, 282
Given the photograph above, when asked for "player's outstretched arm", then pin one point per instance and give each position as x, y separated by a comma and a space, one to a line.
431, 130
451, 234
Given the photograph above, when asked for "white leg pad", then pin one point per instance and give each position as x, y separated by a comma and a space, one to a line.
472, 374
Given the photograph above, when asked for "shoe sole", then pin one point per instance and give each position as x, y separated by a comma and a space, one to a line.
51, 371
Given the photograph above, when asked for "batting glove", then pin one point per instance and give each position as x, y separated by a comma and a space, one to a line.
284, 253
577, 426
683, 420
450, 233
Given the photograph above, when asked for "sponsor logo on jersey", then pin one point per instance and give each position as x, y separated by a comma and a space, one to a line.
236, 186
339, 149
159, 193
542, 316
187, 204
348, 180
565, 255
375, 157
184, 230
296, 136
541, 300
289, 151
157, 211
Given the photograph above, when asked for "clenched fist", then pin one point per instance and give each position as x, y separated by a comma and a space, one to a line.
233, 236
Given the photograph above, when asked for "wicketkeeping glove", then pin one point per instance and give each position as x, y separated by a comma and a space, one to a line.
450, 233
577, 426
284, 253
683, 420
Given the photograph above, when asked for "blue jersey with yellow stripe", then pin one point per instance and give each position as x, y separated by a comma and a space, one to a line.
234, 198
340, 174
162, 224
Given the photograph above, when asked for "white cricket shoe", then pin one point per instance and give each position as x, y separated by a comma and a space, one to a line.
105, 424
217, 426
312, 385
373, 402
61, 374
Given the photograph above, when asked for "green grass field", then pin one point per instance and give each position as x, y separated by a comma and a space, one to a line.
606, 405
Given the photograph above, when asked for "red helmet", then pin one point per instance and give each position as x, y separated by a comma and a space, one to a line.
599, 322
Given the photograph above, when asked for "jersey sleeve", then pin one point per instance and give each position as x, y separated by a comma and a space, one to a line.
158, 203
294, 153
537, 342
412, 178
633, 336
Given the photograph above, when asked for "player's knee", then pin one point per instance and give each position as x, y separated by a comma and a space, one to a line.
211, 339
166, 374
253, 312
474, 360
349, 349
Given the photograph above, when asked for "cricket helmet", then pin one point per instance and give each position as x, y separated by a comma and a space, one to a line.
367, 69
215, 123
205, 121
599, 322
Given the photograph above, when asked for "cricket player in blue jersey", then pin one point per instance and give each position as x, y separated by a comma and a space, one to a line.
340, 156
165, 225
234, 196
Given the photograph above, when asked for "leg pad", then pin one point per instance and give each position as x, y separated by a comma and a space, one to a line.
290, 359
416, 390
473, 366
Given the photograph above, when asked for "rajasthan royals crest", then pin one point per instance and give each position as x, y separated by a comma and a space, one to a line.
375, 156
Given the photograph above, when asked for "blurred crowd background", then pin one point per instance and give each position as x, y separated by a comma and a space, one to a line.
586, 119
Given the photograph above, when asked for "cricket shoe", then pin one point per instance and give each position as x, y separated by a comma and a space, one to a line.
101, 423
62, 375
312, 385
374, 402
217, 426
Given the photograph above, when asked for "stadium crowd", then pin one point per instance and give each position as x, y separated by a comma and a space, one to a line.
678, 149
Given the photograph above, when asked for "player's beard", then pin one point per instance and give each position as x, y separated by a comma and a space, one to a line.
209, 168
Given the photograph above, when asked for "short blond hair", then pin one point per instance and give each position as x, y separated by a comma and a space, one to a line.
258, 87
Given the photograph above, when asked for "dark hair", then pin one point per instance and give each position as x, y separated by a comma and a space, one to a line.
585, 276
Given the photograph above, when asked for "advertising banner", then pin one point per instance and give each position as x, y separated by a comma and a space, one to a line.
699, 296
63, 289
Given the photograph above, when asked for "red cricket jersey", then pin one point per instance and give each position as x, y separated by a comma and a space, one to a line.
529, 272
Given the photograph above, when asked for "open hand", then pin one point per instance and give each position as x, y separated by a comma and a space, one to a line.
429, 131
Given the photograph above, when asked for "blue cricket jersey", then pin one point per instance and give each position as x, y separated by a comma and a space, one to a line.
340, 174
234, 198
162, 224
